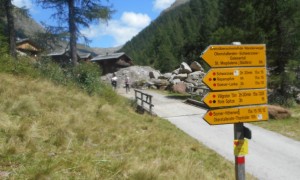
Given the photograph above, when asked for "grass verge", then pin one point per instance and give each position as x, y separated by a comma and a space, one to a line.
289, 127
54, 132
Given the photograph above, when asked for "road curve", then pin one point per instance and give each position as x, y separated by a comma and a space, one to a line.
271, 155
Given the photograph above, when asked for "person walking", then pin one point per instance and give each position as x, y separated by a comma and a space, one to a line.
114, 81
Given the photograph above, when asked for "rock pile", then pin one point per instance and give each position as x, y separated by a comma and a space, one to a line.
187, 78
181, 80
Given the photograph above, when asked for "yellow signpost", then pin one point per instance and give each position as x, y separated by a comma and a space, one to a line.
248, 77
236, 98
237, 115
236, 78
235, 55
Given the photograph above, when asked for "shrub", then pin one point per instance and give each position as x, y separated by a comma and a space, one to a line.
52, 71
23, 65
87, 77
6, 63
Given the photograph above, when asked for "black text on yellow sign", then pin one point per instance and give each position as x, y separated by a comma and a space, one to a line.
237, 115
236, 78
235, 55
236, 98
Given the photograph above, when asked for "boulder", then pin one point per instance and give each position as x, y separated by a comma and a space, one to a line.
197, 75
195, 66
165, 76
201, 92
189, 86
181, 76
184, 68
135, 73
153, 87
278, 112
179, 88
175, 81
154, 74
163, 88
176, 71
160, 82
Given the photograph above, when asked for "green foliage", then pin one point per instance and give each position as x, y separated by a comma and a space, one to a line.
3, 38
3, 45
6, 63
190, 28
52, 71
22, 66
184, 32
287, 81
85, 76
77, 14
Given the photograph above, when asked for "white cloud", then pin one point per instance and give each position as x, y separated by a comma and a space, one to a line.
162, 4
122, 30
21, 3
135, 19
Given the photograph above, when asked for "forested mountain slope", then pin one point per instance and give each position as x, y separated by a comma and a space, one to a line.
182, 33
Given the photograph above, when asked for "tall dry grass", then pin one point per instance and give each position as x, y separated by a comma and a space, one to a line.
52, 132
57, 124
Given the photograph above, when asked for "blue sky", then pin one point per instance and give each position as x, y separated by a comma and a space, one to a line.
130, 18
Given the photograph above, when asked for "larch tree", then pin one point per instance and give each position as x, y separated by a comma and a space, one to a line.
8, 9
77, 13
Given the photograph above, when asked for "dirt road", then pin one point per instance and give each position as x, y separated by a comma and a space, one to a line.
271, 155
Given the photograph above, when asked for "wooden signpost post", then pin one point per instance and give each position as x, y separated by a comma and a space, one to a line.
238, 80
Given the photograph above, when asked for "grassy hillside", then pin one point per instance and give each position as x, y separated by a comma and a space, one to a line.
54, 131
61, 133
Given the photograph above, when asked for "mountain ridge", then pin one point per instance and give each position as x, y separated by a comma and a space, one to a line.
27, 27
174, 5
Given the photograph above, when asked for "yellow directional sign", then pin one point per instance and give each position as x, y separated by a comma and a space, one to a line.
236, 78
235, 55
240, 147
236, 98
237, 115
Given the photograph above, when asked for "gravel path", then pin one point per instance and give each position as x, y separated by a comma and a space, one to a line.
271, 155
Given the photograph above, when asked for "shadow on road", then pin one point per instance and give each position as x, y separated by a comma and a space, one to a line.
178, 97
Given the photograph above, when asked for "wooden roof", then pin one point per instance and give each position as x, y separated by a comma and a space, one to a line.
112, 56
27, 45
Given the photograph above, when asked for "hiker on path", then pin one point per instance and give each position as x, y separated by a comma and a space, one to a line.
114, 81
127, 84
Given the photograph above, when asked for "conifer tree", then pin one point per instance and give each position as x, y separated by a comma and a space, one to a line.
8, 9
77, 13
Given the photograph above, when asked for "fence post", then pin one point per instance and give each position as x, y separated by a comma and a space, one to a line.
150, 104
142, 99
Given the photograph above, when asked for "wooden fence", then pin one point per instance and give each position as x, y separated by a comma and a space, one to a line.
143, 100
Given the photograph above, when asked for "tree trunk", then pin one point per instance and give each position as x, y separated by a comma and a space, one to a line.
11, 28
72, 31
